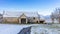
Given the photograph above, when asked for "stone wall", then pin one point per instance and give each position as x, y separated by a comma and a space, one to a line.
11, 20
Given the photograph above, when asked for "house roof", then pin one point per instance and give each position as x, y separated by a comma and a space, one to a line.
1, 14
18, 14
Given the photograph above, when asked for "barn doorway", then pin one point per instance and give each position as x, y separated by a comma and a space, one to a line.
23, 21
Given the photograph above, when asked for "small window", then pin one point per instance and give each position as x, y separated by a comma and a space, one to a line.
33, 17
37, 21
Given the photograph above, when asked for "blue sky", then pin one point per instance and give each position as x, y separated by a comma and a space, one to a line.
44, 7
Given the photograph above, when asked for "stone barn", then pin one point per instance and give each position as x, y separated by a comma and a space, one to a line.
1, 18
21, 17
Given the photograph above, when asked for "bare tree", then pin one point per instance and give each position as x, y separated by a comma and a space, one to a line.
59, 15
52, 17
56, 15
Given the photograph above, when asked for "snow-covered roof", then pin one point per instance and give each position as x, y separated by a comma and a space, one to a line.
42, 17
18, 14
1, 14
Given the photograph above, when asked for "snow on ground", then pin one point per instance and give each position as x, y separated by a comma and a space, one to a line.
10, 29
36, 28
46, 29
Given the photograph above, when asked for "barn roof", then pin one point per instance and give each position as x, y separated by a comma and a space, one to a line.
18, 14
1, 14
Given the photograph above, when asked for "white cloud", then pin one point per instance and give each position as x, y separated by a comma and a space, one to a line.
45, 12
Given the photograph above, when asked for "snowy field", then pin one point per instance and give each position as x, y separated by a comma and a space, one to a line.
46, 29
36, 28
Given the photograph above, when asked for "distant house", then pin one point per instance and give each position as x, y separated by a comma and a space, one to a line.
21, 17
1, 18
